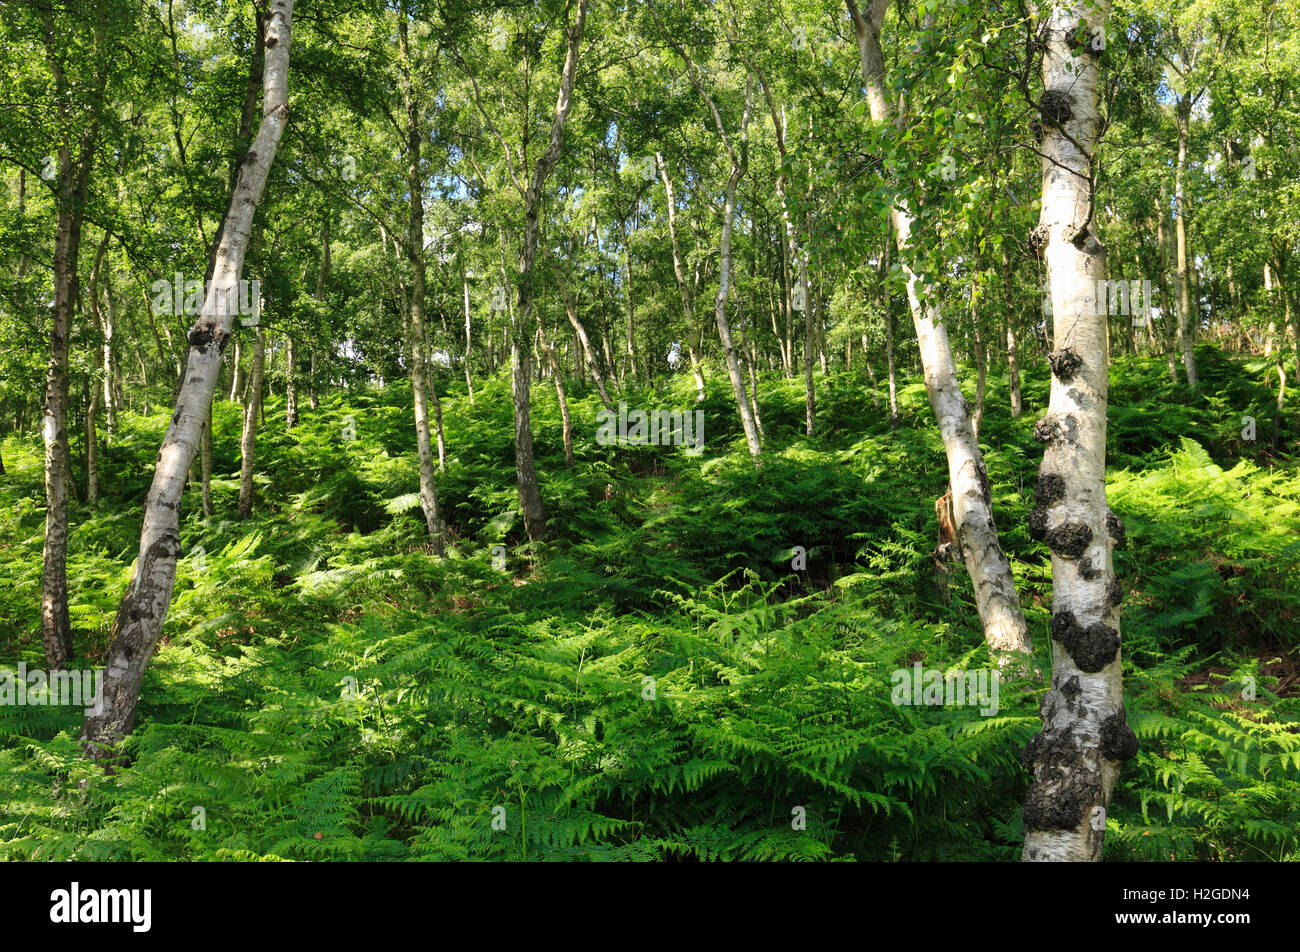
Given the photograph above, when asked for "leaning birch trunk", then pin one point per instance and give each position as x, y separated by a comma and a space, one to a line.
593, 365
419, 360
739, 163
252, 417
1085, 736
530, 497
140, 617
995, 588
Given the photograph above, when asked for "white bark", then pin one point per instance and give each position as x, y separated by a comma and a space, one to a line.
140, 617
1085, 736
995, 589
739, 163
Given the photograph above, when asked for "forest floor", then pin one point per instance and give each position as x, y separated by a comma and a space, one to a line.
655, 681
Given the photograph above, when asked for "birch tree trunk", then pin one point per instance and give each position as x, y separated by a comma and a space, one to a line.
796, 254
290, 383
593, 365
530, 498
252, 417
890, 356
140, 617
981, 357
1013, 355
469, 380
70, 200
417, 352
739, 163
1186, 330
995, 588
1085, 735
92, 446
322, 277
558, 374
679, 272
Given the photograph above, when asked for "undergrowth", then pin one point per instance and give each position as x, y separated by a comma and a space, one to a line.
662, 678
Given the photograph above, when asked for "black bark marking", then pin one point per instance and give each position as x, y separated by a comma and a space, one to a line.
1046, 429
1038, 524
1114, 593
1039, 236
1118, 742
206, 335
1064, 786
1086, 571
1057, 107
1069, 540
1115, 526
1091, 648
1050, 489
1065, 362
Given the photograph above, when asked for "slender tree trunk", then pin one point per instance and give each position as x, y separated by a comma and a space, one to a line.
1169, 320
558, 374
92, 446
530, 497
236, 382
886, 287
1085, 736
593, 365
637, 371
469, 381
796, 255
1186, 329
981, 359
738, 166
809, 342
252, 416
415, 255
679, 273
290, 384
205, 463
753, 388
56, 628
1013, 355
972, 504
321, 278
140, 617
70, 199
